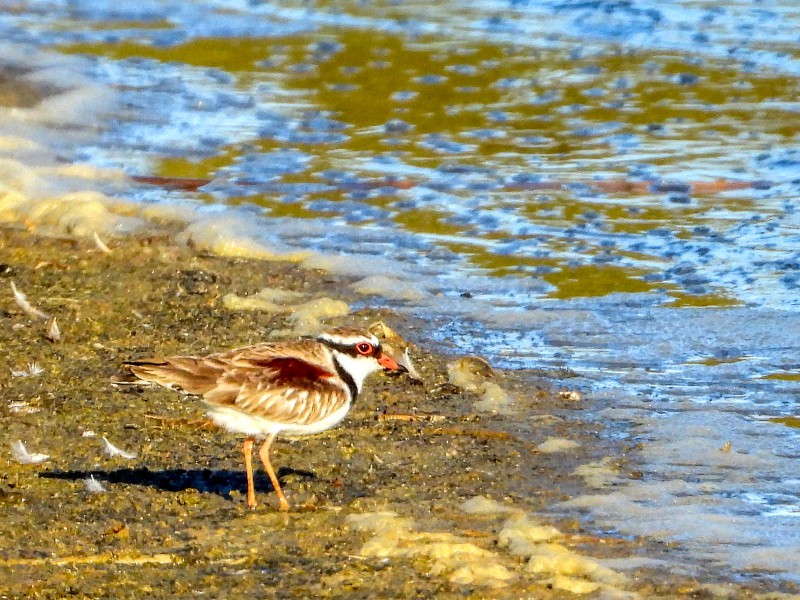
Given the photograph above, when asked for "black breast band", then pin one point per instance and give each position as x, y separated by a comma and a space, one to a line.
347, 378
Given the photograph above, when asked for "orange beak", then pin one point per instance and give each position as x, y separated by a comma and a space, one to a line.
390, 364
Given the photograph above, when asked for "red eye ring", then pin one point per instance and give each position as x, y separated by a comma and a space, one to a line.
364, 348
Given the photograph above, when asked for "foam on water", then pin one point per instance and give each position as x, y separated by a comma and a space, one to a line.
713, 481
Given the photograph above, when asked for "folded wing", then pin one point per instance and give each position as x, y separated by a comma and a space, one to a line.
258, 381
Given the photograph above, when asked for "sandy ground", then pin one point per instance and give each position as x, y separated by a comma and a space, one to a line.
377, 503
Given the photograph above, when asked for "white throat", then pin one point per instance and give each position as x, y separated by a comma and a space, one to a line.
358, 367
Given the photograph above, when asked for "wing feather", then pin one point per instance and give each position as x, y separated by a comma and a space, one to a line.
274, 396
283, 383
190, 374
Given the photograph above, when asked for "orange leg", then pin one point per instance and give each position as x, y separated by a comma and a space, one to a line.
263, 453
248, 467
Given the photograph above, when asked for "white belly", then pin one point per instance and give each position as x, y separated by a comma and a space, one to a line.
237, 421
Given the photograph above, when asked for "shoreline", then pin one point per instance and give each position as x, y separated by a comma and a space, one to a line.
422, 490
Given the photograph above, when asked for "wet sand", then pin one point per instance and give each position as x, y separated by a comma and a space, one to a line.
172, 520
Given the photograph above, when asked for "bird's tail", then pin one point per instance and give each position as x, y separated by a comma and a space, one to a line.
183, 373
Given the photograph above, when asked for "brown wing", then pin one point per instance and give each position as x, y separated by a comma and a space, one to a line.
280, 391
188, 373
276, 381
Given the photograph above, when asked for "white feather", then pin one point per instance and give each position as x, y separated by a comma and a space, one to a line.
32, 371
100, 244
21, 454
22, 301
405, 361
113, 450
53, 332
93, 486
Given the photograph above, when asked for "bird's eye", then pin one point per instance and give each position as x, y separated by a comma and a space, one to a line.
364, 348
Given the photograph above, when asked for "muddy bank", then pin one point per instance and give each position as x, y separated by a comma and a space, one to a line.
379, 503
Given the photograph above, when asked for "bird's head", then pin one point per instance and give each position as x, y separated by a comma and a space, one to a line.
358, 352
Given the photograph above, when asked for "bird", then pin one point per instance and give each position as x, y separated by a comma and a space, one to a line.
290, 387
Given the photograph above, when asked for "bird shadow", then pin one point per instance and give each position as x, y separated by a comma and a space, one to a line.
214, 481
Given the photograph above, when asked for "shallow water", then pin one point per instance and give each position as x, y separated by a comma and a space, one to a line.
609, 187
